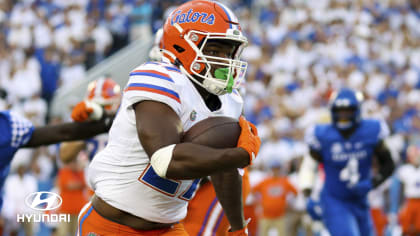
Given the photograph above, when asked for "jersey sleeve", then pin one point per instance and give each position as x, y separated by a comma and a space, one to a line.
153, 83
311, 139
21, 130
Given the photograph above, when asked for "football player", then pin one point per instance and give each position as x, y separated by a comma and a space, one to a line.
346, 148
145, 176
106, 93
18, 132
409, 175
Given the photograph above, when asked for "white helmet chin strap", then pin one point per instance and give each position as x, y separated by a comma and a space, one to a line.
206, 84
213, 88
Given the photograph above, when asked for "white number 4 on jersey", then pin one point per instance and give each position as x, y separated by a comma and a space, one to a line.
350, 173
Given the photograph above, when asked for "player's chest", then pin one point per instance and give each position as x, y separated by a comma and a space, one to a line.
339, 153
195, 110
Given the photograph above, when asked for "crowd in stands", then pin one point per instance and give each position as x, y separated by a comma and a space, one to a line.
299, 52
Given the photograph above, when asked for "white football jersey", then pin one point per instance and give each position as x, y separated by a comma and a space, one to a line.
121, 173
410, 176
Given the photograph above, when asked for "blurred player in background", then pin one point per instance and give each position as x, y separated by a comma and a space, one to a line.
376, 199
137, 177
72, 183
409, 175
346, 148
106, 93
271, 195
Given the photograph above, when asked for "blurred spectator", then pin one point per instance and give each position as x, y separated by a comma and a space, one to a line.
71, 71
23, 81
118, 23
90, 53
50, 71
103, 40
71, 182
140, 17
272, 194
17, 187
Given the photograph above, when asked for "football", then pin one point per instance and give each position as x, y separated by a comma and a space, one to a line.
215, 132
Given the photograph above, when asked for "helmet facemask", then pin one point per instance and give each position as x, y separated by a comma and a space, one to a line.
218, 75
345, 109
345, 118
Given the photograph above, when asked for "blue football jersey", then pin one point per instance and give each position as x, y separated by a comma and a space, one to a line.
346, 161
15, 132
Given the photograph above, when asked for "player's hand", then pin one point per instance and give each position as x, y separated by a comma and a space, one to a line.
249, 139
86, 110
362, 188
314, 209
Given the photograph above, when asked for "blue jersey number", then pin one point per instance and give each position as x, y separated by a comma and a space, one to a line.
167, 186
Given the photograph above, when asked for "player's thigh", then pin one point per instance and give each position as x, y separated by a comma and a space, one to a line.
405, 216
338, 218
364, 221
416, 213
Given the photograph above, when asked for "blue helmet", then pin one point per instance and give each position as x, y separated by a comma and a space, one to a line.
345, 108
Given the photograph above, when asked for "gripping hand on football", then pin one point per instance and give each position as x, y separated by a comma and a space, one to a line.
86, 110
249, 139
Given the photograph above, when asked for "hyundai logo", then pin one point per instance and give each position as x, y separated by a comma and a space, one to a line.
43, 201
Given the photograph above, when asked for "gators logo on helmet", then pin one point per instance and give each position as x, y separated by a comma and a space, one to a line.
187, 31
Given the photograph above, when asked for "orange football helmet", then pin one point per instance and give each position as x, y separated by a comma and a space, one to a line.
186, 32
105, 92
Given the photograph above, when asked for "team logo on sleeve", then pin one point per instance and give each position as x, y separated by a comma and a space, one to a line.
193, 115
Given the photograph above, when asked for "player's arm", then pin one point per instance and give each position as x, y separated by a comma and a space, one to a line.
160, 131
50, 134
308, 167
307, 172
385, 162
70, 150
228, 187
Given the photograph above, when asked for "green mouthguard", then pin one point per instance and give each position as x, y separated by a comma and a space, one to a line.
223, 73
